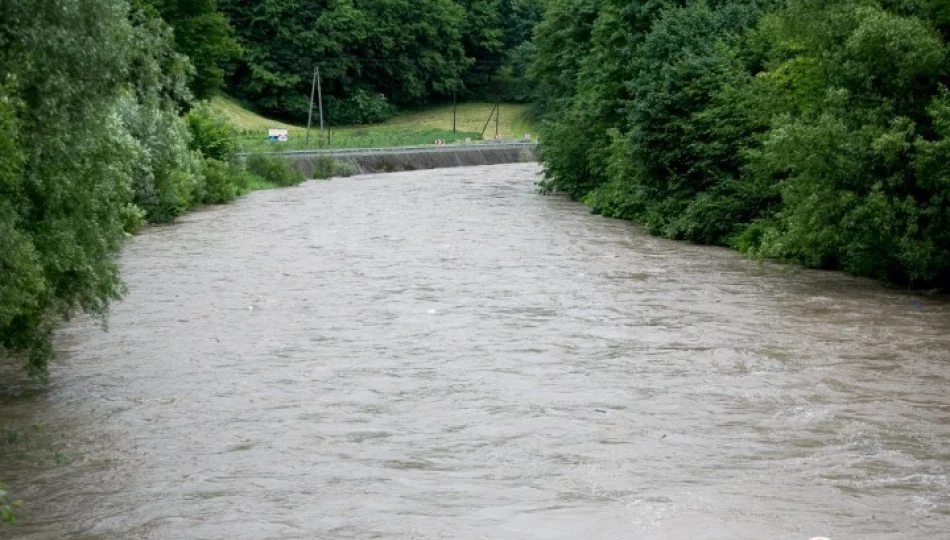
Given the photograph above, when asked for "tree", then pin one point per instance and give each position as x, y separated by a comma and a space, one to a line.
857, 157
203, 33
482, 36
65, 166
518, 19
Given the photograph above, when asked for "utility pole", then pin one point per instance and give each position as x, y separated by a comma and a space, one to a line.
497, 118
482, 134
454, 110
320, 97
310, 115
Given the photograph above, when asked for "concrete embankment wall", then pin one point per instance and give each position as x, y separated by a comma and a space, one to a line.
417, 159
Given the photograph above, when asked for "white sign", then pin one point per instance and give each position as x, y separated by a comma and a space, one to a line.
277, 135
527, 136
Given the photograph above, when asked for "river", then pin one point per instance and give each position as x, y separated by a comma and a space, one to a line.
448, 354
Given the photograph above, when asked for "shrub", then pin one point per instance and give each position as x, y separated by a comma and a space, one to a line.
323, 167
329, 167
211, 134
360, 108
274, 169
219, 186
344, 169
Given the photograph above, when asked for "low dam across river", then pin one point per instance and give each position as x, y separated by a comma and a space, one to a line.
412, 158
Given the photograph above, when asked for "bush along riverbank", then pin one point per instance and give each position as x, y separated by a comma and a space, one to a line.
810, 132
96, 141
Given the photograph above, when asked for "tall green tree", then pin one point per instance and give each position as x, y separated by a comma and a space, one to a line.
518, 19
204, 34
168, 178
65, 166
91, 142
482, 37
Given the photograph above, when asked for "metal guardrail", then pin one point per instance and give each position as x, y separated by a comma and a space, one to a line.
338, 152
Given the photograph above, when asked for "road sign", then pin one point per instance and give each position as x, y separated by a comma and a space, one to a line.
277, 135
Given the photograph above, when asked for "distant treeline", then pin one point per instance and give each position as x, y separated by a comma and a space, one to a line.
373, 54
810, 131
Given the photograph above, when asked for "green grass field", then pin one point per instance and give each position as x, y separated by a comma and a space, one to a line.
409, 127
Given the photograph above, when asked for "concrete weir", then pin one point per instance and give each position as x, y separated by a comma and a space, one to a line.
375, 160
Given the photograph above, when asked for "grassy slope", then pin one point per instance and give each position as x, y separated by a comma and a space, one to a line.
242, 117
410, 127
471, 118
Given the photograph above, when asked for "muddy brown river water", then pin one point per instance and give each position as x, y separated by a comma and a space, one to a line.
448, 354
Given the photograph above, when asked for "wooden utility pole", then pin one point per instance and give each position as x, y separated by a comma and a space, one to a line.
497, 118
320, 97
488, 121
310, 115
454, 110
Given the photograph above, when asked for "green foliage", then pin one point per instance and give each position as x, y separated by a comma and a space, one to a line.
520, 88
91, 145
343, 169
581, 68
329, 167
211, 133
497, 36
805, 131
324, 167
856, 193
361, 107
204, 35
219, 186
691, 124
213, 136
409, 50
274, 169
65, 168
482, 34
7, 506
168, 176
377, 137
24, 287
518, 19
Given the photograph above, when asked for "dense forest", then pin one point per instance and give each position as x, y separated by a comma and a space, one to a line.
801, 130
807, 131
378, 54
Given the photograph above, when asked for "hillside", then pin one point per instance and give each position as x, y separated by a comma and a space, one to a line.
409, 127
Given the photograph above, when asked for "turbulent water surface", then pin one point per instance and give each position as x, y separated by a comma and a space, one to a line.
450, 355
